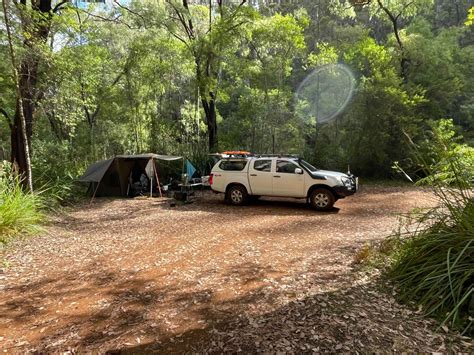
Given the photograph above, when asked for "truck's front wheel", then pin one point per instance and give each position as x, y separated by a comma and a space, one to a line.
237, 195
322, 199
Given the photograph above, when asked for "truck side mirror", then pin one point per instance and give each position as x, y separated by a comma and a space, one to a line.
298, 171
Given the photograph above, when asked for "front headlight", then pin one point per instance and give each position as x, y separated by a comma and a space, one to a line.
346, 182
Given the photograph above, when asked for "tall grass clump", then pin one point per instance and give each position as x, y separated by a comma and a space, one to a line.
20, 211
433, 264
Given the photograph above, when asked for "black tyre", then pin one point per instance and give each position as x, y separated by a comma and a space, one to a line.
237, 195
322, 199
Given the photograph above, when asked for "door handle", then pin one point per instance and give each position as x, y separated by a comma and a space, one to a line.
276, 176
253, 174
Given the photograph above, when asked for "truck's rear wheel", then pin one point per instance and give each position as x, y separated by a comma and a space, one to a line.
237, 195
322, 199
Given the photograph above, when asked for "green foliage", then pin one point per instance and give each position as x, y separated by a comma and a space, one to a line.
377, 117
470, 17
402, 8
434, 264
20, 211
325, 55
444, 159
443, 68
135, 83
258, 115
435, 267
55, 168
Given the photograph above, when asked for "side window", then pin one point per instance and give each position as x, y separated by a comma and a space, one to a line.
233, 165
263, 165
284, 166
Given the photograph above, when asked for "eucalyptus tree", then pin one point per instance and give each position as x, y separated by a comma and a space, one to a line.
399, 13
33, 20
21, 111
208, 31
383, 111
275, 43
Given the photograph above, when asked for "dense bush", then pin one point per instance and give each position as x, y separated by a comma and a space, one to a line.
20, 211
434, 263
56, 165
443, 159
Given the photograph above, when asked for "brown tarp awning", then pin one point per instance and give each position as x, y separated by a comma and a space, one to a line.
96, 171
111, 177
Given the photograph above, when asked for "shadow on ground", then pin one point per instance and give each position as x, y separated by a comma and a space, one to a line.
356, 318
192, 281
184, 318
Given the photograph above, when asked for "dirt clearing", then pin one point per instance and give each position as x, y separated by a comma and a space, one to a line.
136, 275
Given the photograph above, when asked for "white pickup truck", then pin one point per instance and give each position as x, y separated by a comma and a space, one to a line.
244, 178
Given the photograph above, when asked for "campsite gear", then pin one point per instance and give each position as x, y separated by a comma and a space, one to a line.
181, 196
190, 169
112, 177
236, 153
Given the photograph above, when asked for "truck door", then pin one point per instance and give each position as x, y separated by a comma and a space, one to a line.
286, 182
260, 177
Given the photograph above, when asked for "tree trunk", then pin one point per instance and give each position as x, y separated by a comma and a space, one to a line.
24, 106
19, 147
273, 141
404, 61
209, 106
36, 26
20, 128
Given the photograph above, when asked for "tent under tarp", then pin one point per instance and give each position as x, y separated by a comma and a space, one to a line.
113, 177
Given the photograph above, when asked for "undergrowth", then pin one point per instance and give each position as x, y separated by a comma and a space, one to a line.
434, 264
54, 170
431, 257
20, 211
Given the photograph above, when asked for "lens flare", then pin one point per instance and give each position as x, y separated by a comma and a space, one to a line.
324, 94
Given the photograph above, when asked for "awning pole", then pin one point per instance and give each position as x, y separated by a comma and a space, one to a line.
151, 181
95, 191
157, 179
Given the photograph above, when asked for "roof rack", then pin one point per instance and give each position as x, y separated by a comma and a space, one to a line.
236, 154
245, 154
296, 156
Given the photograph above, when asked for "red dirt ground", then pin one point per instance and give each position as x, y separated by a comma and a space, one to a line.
137, 275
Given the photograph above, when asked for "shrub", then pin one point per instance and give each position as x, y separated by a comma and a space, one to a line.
55, 166
20, 211
434, 263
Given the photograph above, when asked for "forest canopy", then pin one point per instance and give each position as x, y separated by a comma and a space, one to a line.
338, 82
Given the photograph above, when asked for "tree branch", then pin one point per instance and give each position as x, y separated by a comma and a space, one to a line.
177, 37
126, 8
60, 6
394, 21
190, 21
405, 7
182, 20
106, 19
7, 116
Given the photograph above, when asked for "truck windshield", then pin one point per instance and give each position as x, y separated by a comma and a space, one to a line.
307, 165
